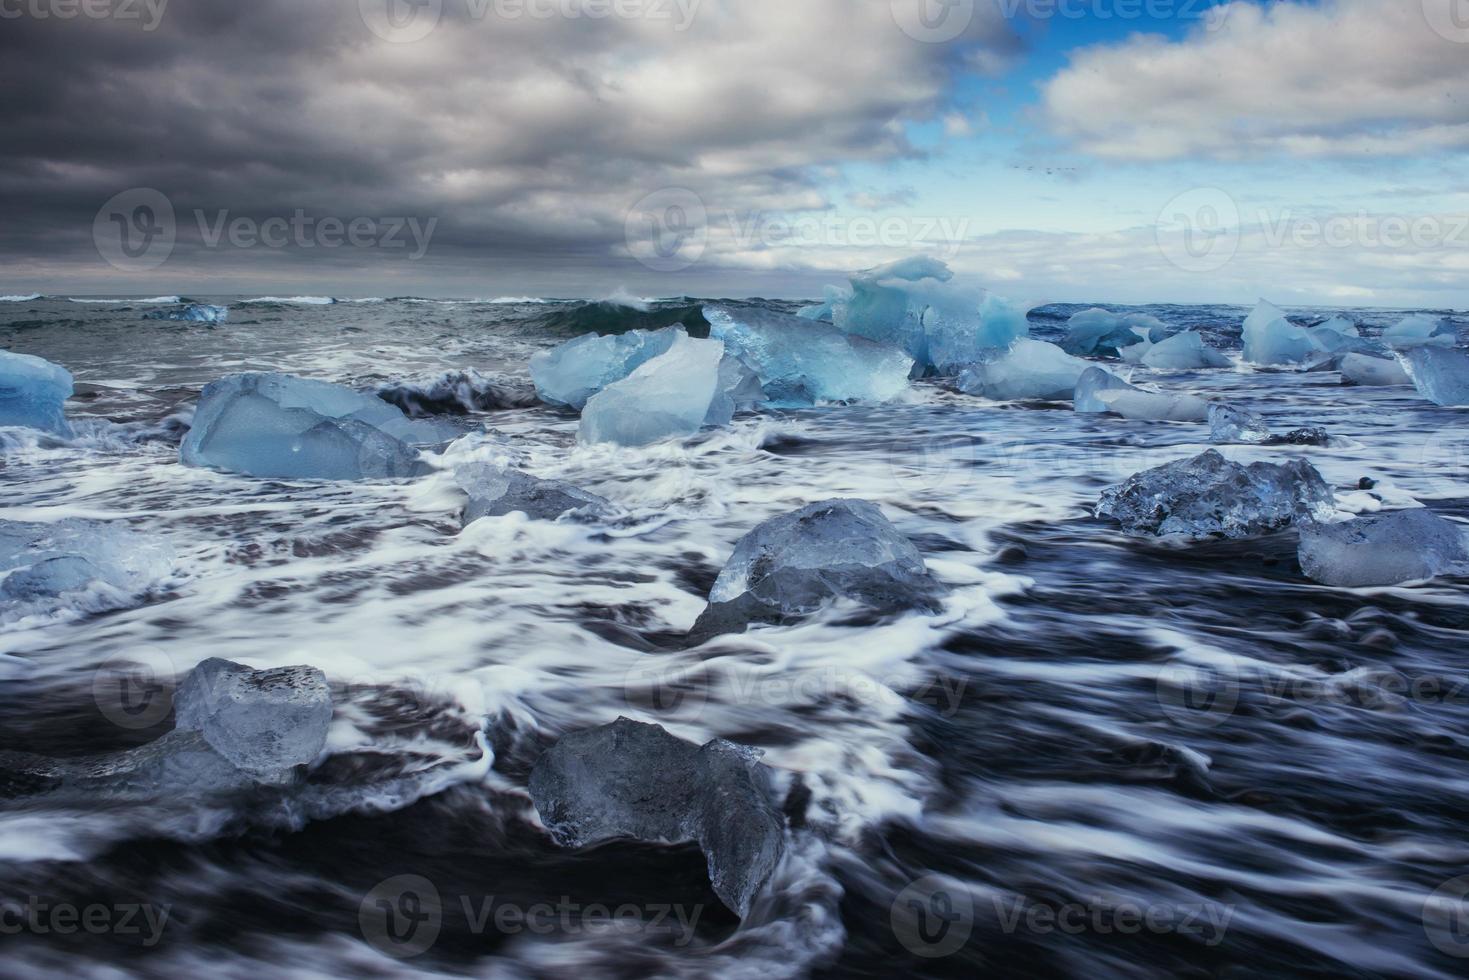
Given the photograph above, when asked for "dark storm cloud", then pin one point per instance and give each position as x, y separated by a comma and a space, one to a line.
526, 138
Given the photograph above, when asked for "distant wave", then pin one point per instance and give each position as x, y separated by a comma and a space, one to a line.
136, 302
20, 299
513, 301
301, 300
608, 317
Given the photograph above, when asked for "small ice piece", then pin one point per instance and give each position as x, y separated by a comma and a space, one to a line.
673, 395
1308, 436
1028, 369
1235, 425
264, 722
1383, 549
1098, 391
1210, 495
40, 563
1365, 370
629, 780
1420, 330
193, 313
283, 427
1105, 333
801, 363
1184, 352
496, 491
1270, 338
792, 564
1442, 376
32, 393
572, 373
1340, 326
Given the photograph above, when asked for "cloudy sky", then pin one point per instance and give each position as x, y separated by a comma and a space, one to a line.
1057, 150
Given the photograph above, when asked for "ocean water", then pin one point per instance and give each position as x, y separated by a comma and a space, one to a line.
1105, 757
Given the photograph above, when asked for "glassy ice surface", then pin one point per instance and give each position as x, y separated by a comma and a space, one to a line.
33, 392
262, 721
1233, 425
1210, 495
87, 565
1184, 352
800, 362
635, 781
1375, 372
1420, 330
1382, 549
1441, 375
1028, 369
1099, 391
822, 311
1272, 339
569, 375
1107, 334
675, 394
495, 491
284, 427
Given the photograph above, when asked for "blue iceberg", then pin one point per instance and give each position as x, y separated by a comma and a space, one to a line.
1420, 330
32, 393
823, 310
1442, 375
283, 427
572, 373
1272, 339
1027, 369
1184, 352
801, 362
1107, 334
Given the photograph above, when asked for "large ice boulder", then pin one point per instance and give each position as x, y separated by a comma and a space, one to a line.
1106, 334
32, 393
264, 722
572, 373
793, 564
1098, 391
1441, 375
497, 491
631, 781
1383, 549
801, 363
1184, 352
90, 566
1210, 495
1420, 330
1369, 371
283, 427
1271, 338
1027, 369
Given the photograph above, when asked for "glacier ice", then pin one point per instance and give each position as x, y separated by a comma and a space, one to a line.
109, 562
1092, 384
792, 564
1420, 330
1383, 549
192, 313
1365, 370
263, 721
834, 295
572, 373
1184, 352
495, 491
33, 392
1107, 334
1235, 425
1441, 375
692, 385
1027, 369
800, 362
284, 427
634, 781
1270, 338
1210, 495
1098, 391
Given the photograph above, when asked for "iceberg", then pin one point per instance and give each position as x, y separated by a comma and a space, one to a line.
1441, 375
823, 311
111, 563
800, 362
1028, 369
263, 722
1233, 425
1368, 371
631, 781
32, 393
193, 313
1107, 334
1184, 352
1383, 549
1270, 338
1420, 330
693, 385
1210, 495
791, 565
496, 491
283, 427
1098, 391
572, 373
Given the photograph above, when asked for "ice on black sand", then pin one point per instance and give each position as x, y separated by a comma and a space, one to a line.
496, 491
1383, 549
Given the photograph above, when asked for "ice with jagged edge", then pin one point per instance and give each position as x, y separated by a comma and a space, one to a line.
1420, 330
1185, 351
1270, 338
85, 566
1099, 391
1107, 334
1369, 371
1209, 495
569, 375
801, 362
676, 394
497, 490
33, 393
263, 722
193, 313
1028, 369
284, 427
1382, 549
1441, 375
1234, 425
